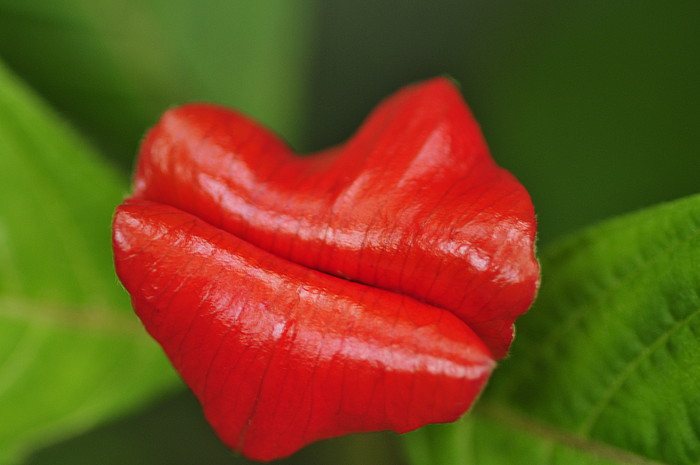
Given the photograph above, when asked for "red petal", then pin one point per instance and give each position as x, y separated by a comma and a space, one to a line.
234, 250
413, 203
281, 355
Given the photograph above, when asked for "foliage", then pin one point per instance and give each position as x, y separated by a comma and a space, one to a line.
591, 104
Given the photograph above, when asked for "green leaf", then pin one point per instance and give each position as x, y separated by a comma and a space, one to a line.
71, 351
606, 366
113, 66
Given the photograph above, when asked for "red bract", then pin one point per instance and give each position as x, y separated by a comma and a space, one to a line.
364, 288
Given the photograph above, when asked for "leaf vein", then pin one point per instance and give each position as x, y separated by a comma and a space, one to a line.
514, 419
88, 319
596, 412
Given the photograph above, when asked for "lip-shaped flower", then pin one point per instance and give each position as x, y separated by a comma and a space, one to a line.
367, 287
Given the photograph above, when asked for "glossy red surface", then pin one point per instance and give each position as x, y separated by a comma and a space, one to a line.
281, 355
240, 258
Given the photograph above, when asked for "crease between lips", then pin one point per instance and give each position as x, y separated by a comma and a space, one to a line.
457, 320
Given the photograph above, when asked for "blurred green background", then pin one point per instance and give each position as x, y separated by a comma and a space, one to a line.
592, 104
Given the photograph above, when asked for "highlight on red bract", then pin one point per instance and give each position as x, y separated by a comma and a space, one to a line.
368, 287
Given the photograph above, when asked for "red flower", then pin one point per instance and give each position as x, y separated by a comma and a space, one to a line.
367, 287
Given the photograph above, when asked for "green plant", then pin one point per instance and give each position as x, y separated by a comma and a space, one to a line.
604, 367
